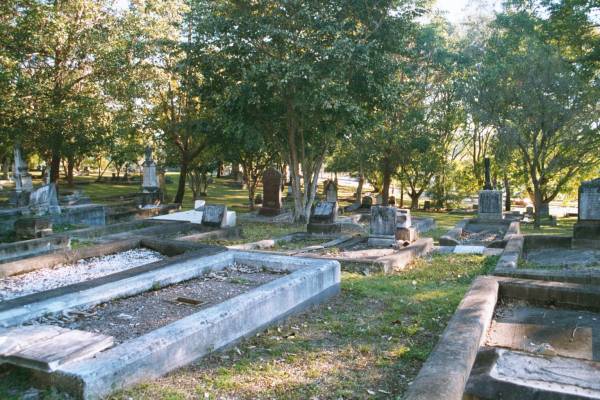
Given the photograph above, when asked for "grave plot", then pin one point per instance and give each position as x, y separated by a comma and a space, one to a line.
134, 316
296, 243
560, 258
473, 232
116, 333
516, 339
80, 271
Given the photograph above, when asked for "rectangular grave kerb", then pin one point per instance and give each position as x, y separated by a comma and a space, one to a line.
152, 355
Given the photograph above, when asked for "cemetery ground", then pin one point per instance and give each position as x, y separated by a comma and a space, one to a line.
368, 342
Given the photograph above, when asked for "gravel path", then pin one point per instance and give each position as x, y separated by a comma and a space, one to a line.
81, 271
137, 315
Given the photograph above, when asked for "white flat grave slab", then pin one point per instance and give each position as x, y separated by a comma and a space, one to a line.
463, 249
192, 216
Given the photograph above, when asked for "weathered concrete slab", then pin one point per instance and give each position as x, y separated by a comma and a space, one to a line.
49, 353
509, 375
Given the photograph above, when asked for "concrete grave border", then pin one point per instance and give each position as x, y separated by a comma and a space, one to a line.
508, 264
181, 342
167, 247
452, 237
447, 369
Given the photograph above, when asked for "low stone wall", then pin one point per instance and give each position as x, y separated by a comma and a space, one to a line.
10, 252
445, 373
84, 214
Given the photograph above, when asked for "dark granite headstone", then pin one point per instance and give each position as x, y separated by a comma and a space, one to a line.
271, 193
367, 202
490, 205
213, 215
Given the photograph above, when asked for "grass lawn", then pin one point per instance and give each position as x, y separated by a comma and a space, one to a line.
368, 342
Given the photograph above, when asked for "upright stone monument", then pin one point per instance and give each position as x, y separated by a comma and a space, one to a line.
587, 228
150, 180
271, 205
331, 192
23, 182
490, 200
384, 222
323, 218
44, 200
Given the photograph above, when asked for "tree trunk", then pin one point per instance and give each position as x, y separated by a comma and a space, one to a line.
537, 202
5, 166
251, 193
70, 167
414, 200
55, 167
359, 189
507, 199
183, 170
387, 180
401, 194
220, 169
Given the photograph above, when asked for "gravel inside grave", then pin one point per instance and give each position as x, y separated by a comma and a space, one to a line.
134, 316
80, 271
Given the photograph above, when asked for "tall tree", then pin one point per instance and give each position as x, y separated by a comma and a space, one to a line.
541, 99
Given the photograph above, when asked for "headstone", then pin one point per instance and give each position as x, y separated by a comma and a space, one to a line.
44, 200
323, 218
426, 205
490, 200
379, 199
23, 182
213, 215
271, 193
150, 182
384, 222
588, 221
33, 227
331, 192
199, 205
366, 202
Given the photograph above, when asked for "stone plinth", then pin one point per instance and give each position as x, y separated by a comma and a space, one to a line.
384, 222
588, 222
323, 218
366, 202
490, 205
271, 193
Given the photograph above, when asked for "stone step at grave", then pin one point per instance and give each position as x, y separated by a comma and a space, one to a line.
45, 348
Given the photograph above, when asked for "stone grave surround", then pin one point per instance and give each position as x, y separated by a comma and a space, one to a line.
588, 221
323, 218
271, 205
383, 226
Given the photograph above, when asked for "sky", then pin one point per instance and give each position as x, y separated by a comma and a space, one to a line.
456, 10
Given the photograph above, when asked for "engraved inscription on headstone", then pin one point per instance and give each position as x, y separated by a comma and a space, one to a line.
383, 221
589, 201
